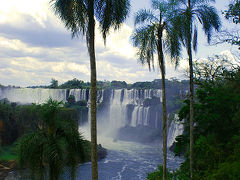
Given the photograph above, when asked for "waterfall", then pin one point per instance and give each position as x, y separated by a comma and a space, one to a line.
119, 100
29, 95
79, 94
175, 129
119, 107
117, 110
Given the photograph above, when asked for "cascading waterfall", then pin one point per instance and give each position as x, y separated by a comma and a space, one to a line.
175, 129
79, 94
30, 95
121, 107
117, 110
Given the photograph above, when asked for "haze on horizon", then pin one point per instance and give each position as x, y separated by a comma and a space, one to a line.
36, 47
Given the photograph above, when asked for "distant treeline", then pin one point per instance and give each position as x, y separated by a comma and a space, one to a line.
79, 84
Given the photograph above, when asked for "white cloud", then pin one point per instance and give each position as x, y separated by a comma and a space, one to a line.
35, 47
11, 9
118, 42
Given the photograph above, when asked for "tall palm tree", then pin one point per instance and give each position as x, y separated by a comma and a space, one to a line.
55, 144
79, 17
188, 15
149, 39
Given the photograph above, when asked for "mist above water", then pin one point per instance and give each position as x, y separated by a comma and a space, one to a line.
121, 110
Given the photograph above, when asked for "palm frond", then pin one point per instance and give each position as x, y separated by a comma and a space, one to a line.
201, 2
30, 148
145, 16
180, 26
209, 19
73, 13
56, 145
145, 39
111, 13
162, 6
173, 44
179, 2
54, 153
195, 38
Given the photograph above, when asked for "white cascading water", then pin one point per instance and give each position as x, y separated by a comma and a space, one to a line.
175, 129
117, 112
119, 100
30, 95
79, 94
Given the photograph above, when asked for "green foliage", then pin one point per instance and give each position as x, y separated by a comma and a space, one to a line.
143, 85
216, 130
71, 100
82, 103
233, 11
8, 153
79, 107
148, 36
74, 84
20, 119
55, 144
118, 84
187, 18
171, 84
157, 175
54, 84
233, 14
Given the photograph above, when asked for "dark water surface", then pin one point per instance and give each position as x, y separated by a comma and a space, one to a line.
128, 161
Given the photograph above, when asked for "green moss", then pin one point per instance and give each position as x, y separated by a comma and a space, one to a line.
157, 175
8, 153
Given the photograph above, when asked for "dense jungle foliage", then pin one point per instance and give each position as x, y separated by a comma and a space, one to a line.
19, 119
216, 128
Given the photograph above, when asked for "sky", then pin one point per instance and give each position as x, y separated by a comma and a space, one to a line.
36, 47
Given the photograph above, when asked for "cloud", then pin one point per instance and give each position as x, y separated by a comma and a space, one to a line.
35, 47
118, 43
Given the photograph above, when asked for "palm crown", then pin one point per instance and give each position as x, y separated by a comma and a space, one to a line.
187, 19
75, 14
149, 32
57, 143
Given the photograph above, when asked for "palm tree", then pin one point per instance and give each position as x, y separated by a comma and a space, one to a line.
188, 15
56, 143
79, 17
149, 39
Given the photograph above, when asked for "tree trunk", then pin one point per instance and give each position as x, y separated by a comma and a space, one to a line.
1, 132
91, 44
189, 49
164, 106
191, 111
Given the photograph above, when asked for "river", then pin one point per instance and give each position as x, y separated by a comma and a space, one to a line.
128, 161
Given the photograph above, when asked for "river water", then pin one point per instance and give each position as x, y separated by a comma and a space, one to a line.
128, 161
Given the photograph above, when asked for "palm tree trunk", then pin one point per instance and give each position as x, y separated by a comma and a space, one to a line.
164, 106
164, 117
191, 90
191, 112
1, 132
91, 43
191, 105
